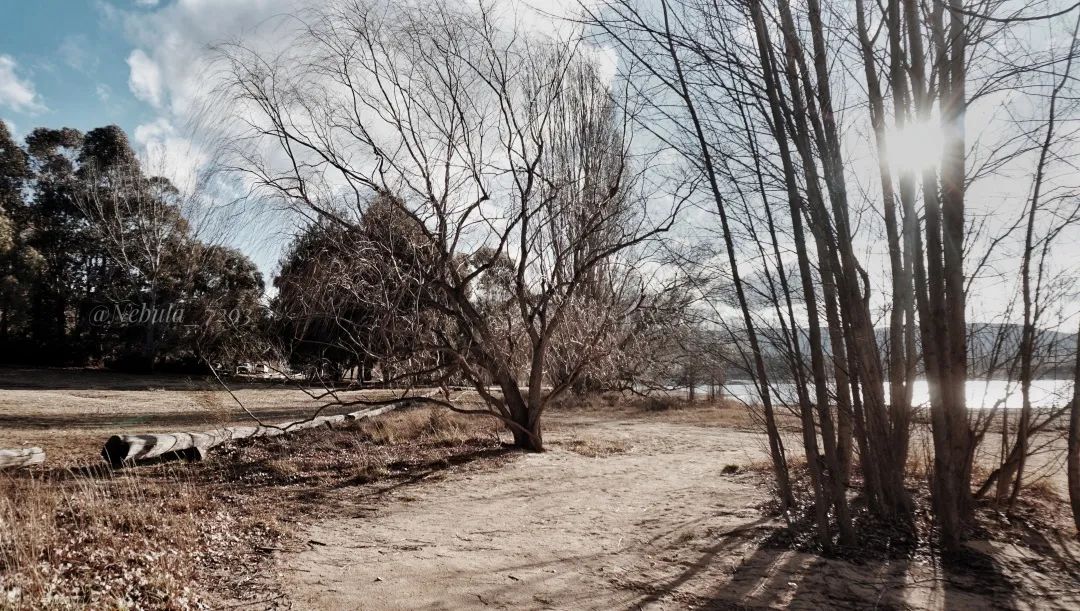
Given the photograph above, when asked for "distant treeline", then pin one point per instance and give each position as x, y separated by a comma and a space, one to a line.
100, 264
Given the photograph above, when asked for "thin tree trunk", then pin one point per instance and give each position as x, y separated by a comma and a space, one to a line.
776, 450
835, 484
899, 393
1012, 472
1073, 457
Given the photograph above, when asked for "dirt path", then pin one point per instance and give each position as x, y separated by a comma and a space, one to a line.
553, 530
658, 524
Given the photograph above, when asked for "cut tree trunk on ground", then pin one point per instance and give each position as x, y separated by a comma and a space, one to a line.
126, 450
22, 457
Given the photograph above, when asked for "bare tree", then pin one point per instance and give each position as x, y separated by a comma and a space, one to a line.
142, 222
485, 139
1036, 249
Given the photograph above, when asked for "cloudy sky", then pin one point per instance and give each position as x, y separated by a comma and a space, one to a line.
143, 65
65, 63
139, 64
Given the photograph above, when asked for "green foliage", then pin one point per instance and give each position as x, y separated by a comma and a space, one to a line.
62, 260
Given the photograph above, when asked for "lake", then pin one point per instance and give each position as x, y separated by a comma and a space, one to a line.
980, 393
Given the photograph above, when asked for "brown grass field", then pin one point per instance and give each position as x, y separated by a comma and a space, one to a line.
635, 505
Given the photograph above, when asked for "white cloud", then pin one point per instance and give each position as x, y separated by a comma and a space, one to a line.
146, 3
153, 131
145, 78
76, 53
168, 153
174, 70
174, 43
17, 93
104, 92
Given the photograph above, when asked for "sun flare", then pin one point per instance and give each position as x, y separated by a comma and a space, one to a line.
916, 146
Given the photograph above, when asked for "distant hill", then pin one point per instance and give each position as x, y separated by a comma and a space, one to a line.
991, 348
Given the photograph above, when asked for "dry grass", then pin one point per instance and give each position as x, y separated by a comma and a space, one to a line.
71, 412
594, 447
71, 541
179, 536
436, 426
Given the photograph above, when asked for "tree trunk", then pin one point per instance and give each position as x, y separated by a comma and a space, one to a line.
1030, 297
531, 439
121, 450
523, 421
776, 448
832, 488
1073, 459
149, 334
22, 457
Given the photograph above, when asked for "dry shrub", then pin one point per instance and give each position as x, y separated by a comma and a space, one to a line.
654, 402
282, 468
589, 401
434, 425
677, 409
172, 536
920, 461
659, 403
1042, 490
353, 453
368, 470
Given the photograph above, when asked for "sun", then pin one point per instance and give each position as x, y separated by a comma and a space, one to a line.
914, 147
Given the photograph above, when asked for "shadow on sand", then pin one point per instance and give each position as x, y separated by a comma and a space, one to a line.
744, 571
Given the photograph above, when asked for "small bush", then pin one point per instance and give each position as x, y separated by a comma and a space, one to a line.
594, 447
436, 425
659, 403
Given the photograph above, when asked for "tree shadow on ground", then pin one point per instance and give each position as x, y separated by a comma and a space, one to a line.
742, 569
404, 473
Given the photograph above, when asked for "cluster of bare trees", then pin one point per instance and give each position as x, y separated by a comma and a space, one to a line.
504, 204
745, 92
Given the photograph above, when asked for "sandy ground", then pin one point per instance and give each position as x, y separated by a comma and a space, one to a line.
553, 530
667, 516
658, 526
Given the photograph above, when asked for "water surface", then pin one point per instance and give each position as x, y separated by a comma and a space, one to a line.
980, 393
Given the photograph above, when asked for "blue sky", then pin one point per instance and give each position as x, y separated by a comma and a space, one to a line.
73, 56
146, 66
139, 64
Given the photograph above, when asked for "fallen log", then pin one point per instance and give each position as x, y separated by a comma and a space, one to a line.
121, 450
22, 457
